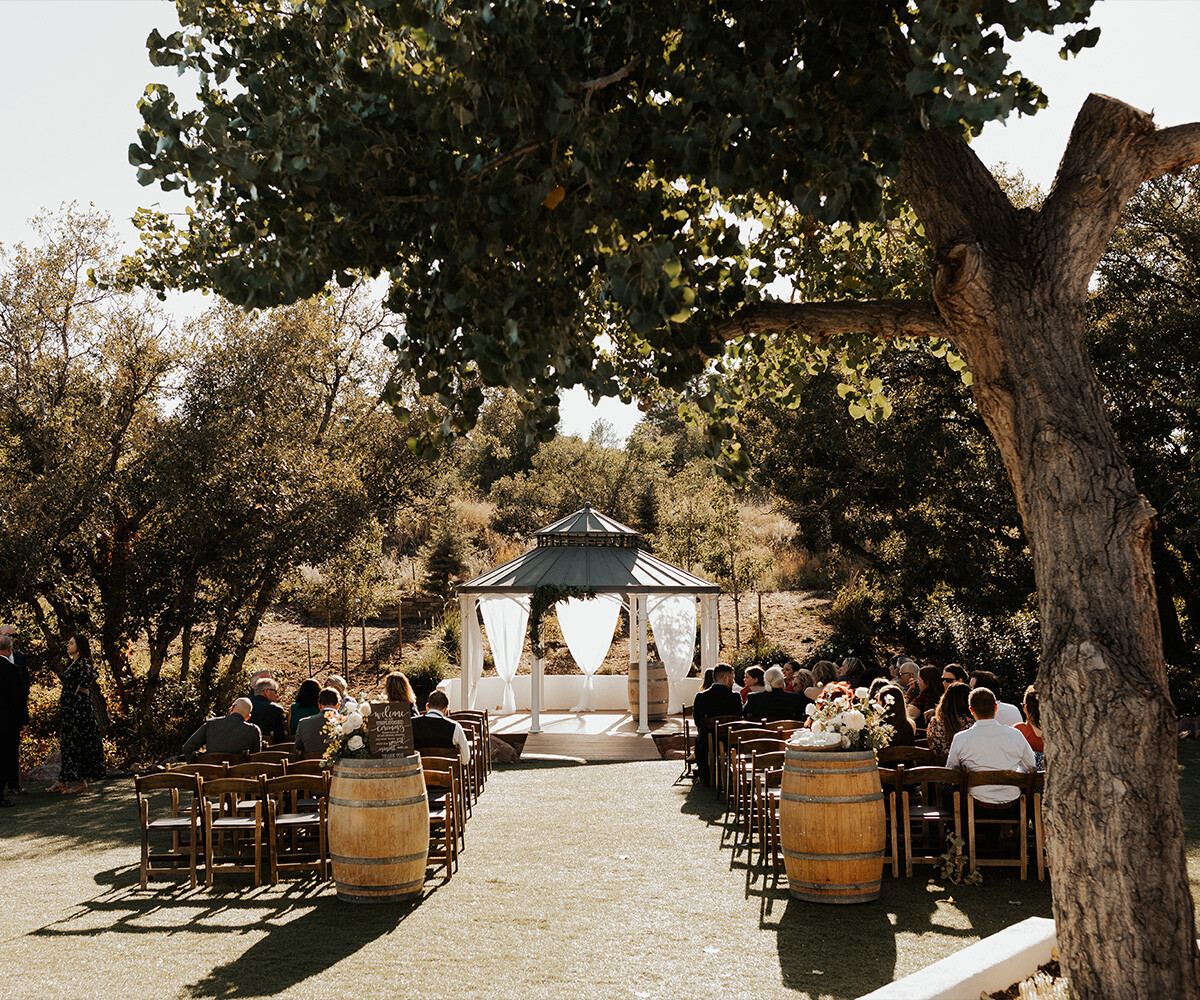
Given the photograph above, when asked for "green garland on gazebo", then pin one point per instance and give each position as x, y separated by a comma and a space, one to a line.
543, 599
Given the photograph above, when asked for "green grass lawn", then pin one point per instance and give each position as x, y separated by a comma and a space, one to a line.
578, 881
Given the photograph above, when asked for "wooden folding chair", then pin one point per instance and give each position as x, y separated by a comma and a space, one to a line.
442, 758
742, 747
219, 799
764, 756
305, 765
205, 771
889, 778
768, 789
723, 730
474, 734
979, 815
910, 757
689, 747
297, 824
183, 827
480, 717
443, 819
923, 791
711, 738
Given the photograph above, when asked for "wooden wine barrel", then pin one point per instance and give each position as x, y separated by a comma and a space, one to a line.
378, 829
656, 690
831, 825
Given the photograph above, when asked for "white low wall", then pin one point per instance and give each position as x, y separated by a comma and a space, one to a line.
563, 691
988, 966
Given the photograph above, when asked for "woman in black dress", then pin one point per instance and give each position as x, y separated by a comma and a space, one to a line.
79, 733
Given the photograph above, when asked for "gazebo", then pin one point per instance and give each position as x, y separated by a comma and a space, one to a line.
595, 566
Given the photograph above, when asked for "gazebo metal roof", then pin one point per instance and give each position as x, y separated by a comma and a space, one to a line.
588, 549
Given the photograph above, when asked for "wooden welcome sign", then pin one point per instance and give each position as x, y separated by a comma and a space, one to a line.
389, 729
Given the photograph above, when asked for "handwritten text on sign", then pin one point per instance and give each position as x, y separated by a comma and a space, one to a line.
389, 729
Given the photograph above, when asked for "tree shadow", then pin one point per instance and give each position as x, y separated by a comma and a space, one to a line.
307, 929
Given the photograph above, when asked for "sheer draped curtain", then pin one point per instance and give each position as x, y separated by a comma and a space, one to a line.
588, 627
505, 619
673, 621
472, 643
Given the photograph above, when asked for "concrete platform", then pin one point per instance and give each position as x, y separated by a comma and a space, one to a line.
586, 737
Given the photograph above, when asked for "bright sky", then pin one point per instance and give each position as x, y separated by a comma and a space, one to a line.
71, 73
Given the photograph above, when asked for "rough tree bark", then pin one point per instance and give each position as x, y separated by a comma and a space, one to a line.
1010, 291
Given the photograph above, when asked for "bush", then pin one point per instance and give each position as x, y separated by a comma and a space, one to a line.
429, 670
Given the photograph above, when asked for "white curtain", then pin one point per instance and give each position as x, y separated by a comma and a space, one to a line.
710, 641
472, 651
505, 619
673, 621
588, 627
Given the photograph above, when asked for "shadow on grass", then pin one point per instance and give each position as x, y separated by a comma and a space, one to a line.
104, 816
305, 929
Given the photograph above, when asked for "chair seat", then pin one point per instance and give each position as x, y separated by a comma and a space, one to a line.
170, 823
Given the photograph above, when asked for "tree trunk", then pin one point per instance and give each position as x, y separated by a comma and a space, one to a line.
1122, 903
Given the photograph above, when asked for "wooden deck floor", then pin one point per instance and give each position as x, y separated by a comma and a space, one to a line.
591, 737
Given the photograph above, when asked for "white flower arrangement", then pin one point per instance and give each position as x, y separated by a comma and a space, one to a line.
844, 717
346, 732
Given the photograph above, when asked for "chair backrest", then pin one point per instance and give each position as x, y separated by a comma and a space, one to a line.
306, 765
1022, 780
912, 756
784, 725
435, 752
287, 789
765, 760
756, 748
271, 756
908, 777
221, 758
739, 736
179, 781
220, 794
206, 771
255, 768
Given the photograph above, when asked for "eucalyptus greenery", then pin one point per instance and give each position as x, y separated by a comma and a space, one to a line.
543, 599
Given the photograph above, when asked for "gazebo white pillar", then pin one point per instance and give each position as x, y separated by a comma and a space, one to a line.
472, 652
643, 700
537, 672
710, 640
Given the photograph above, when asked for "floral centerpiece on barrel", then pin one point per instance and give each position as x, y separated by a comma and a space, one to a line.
845, 718
346, 733
831, 808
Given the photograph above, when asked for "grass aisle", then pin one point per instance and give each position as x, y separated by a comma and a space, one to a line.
578, 881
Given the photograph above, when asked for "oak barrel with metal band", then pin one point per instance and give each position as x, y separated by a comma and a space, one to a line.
831, 825
378, 829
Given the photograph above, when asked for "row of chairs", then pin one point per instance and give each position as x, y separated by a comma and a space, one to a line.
925, 803
230, 819
269, 814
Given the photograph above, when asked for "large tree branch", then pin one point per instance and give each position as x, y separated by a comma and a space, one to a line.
1175, 149
1111, 151
884, 319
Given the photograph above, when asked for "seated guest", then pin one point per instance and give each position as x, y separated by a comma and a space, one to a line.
952, 716
1031, 728
310, 731
433, 729
397, 688
1006, 714
929, 693
990, 746
789, 675
231, 734
707, 679
952, 672
852, 672
776, 702
907, 678
824, 672
266, 714
802, 679
719, 699
338, 683
895, 714
753, 683
877, 685
305, 703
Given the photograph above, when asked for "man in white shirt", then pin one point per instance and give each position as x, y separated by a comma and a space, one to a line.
1006, 714
990, 746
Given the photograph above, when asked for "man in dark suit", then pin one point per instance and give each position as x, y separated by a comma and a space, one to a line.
776, 702
267, 714
232, 734
433, 729
720, 699
310, 731
14, 710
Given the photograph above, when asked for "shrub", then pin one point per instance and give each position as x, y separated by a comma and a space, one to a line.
428, 671
853, 615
